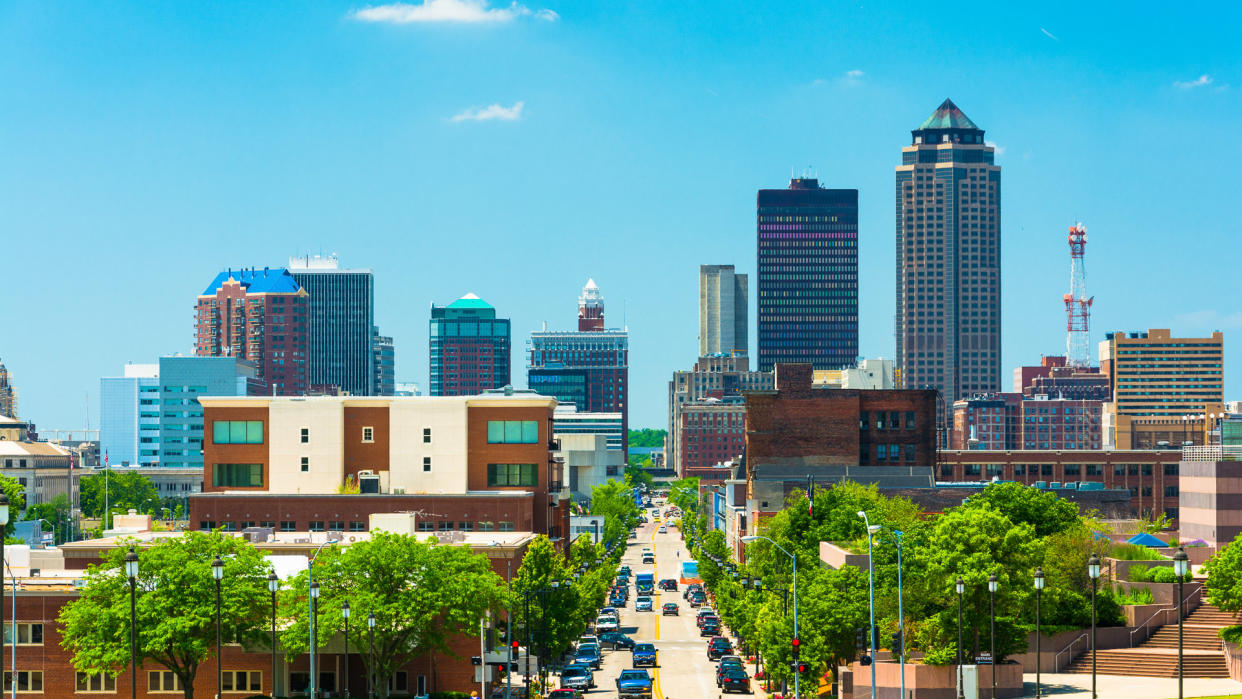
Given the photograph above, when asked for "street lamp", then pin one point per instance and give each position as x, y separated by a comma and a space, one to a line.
273, 584
131, 572
4, 525
314, 602
751, 539
901, 625
871, 529
1181, 566
371, 652
1039, 593
1093, 569
217, 573
961, 587
992, 599
345, 616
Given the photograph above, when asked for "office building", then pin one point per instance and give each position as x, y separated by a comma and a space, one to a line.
948, 260
709, 432
1060, 423
1056, 379
569, 420
1211, 487
588, 462
385, 365
723, 316
588, 368
129, 416
807, 250
717, 377
987, 421
259, 316
8, 393
43, 469
340, 324
470, 348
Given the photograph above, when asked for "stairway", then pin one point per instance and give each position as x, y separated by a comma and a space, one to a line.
1157, 657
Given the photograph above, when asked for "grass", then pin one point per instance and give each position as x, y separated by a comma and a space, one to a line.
1134, 552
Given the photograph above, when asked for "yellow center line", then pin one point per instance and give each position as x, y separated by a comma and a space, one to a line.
658, 693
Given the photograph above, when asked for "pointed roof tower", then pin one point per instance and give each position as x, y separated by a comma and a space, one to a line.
948, 124
590, 308
948, 116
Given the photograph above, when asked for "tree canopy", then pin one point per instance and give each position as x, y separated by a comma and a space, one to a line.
647, 437
125, 490
1022, 504
1224, 581
615, 503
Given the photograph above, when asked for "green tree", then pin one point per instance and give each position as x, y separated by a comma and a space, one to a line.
712, 545
16, 493
647, 437
423, 595
55, 515
1224, 582
684, 493
547, 605
1022, 504
637, 476
615, 503
176, 606
125, 490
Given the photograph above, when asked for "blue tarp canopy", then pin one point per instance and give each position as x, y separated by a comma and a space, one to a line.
1145, 539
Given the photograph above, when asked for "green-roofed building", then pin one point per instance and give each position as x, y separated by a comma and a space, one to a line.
470, 348
948, 260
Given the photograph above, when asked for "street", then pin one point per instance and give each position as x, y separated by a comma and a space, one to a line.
684, 672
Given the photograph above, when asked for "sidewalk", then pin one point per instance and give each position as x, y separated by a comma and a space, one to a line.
1129, 687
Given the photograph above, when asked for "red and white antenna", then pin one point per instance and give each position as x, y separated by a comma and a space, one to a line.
1077, 305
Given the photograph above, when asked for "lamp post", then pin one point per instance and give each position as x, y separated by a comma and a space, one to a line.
314, 602
901, 624
1093, 569
749, 539
371, 653
961, 587
4, 526
1181, 566
871, 529
217, 573
273, 584
992, 600
131, 572
1039, 593
345, 616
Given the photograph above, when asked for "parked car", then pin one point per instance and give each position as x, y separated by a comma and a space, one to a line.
735, 679
669, 609
705, 620
589, 655
711, 627
726, 662
615, 640
624, 570
691, 589
563, 693
642, 604
634, 683
633, 534
605, 624
718, 647
577, 677
668, 584
643, 654
586, 639
611, 611
697, 599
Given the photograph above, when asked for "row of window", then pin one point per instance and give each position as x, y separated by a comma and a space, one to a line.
890, 420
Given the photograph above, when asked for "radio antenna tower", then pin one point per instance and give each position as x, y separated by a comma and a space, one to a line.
1077, 305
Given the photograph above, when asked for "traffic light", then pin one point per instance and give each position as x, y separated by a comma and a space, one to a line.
802, 667
896, 643
861, 639
797, 645
865, 660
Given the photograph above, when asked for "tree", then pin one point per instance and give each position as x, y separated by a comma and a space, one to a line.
647, 437
546, 603
16, 493
615, 503
1224, 582
684, 493
637, 476
176, 607
1022, 504
55, 514
423, 595
125, 490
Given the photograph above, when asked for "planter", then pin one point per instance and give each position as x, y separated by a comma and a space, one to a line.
1233, 659
835, 556
1162, 594
1121, 569
1139, 613
933, 682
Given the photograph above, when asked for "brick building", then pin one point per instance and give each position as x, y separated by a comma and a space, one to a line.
259, 316
470, 348
1054, 378
1211, 494
709, 432
715, 380
1060, 423
987, 421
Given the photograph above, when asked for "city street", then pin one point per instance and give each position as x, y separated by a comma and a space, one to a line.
684, 672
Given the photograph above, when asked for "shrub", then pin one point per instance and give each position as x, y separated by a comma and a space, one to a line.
1232, 634
1138, 595
1140, 573
1163, 575
1134, 552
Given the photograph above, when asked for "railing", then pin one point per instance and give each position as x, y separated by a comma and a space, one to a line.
1215, 452
1196, 596
1056, 662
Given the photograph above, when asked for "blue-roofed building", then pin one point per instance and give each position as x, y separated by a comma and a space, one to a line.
258, 315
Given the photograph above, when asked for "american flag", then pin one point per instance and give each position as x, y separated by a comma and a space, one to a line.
105, 459
810, 496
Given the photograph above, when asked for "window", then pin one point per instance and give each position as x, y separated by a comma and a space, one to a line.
288, 526
1147, 491
266, 524
507, 475
27, 634
1170, 491
946, 470
242, 681
27, 681
1147, 469
511, 432
1045, 470
465, 526
426, 526
84, 682
316, 526
879, 420
1119, 470
337, 526
426, 464
357, 526
164, 682
881, 452
1095, 469
909, 452
299, 682
491, 526
368, 434
504, 526
237, 475
864, 420
427, 434
972, 470
237, 432
306, 435
398, 682
909, 420
422, 684
1170, 469
1019, 469
894, 420
305, 464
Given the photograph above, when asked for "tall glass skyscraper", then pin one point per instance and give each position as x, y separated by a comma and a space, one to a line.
470, 348
340, 325
808, 275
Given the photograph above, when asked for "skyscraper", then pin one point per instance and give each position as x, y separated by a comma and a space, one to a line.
948, 320
129, 416
470, 348
589, 368
808, 275
8, 394
385, 365
723, 316
259, 316
340, 324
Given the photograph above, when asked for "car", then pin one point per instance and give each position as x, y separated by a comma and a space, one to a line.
642, 604
508, 693
697, 599
711, 627
589, 655
704, 611
669, 609
726, 662
577, 677
616, 600
563, 693
610, 611
615, 640
705, 620
633, 534
605, 624
691, 589
735, 679
624, 570
643, 654
662, 530
634, 683
718, 647
649, 558
586, 639
668, 584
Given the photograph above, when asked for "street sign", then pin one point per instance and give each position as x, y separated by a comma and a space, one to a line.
984, 658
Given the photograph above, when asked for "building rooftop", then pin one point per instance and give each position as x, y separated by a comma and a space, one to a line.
470, 301
256, 281
948, 116
11, 448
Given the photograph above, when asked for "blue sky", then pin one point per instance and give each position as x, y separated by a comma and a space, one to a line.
145, 146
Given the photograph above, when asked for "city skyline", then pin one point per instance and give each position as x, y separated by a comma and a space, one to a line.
135, 134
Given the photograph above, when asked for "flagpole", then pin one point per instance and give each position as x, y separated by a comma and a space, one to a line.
107, 468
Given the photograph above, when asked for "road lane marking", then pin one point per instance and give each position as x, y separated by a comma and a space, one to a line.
659, 692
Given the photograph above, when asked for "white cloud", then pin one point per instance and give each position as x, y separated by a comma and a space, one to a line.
1049, 34
1201, 81
1000, 150
854, 74
470, 11
493, 112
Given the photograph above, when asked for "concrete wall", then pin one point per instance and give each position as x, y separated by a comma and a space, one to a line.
932, 682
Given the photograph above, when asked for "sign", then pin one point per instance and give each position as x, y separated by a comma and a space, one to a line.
983, 658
